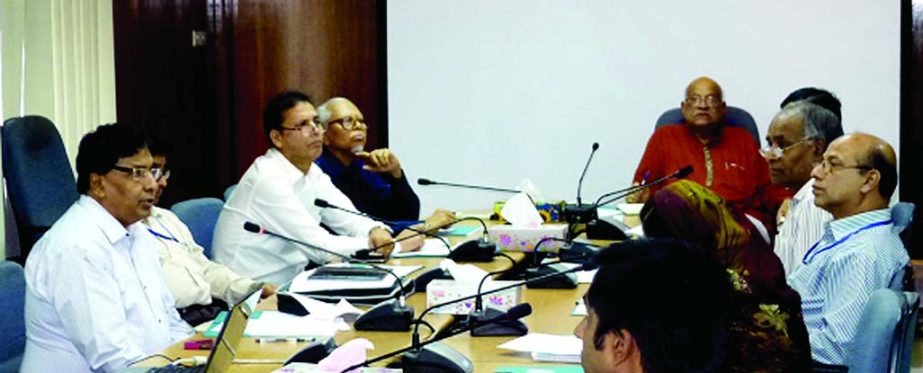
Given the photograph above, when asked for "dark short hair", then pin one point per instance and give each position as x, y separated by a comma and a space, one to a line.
674, 301
877, 159
158, 146
816, 96
273, 112
101, 149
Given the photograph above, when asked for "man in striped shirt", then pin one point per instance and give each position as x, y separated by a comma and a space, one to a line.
859, 251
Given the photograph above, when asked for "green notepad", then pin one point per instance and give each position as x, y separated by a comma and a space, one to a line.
542, 369
462, 231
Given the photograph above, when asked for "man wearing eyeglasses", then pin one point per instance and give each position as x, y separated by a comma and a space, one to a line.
373, 181
724, 158
797, 139
95, 295
860, 250
277, 193
200, 287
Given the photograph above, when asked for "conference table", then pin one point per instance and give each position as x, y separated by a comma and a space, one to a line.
551, 314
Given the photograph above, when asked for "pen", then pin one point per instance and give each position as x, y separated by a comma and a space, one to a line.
277, 340
647, 174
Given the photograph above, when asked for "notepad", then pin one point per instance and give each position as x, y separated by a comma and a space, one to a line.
460, 231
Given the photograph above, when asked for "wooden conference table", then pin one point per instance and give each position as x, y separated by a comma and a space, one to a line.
551, 314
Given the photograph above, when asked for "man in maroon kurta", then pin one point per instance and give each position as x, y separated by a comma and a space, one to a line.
725, 159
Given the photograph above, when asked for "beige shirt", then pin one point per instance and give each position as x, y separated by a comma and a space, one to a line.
190, 276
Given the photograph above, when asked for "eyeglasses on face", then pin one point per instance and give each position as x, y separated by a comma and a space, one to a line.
348, 123
832, 166
776, 152
141, 173
305, 126
710, 100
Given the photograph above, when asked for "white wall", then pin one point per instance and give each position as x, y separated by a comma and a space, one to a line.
490, 92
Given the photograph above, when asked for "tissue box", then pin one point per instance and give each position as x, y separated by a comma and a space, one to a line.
550, 212
440, 291
509, 238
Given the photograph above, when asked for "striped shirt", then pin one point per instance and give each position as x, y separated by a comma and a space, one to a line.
838, 279
803, 226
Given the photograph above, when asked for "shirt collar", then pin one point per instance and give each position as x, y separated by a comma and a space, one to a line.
332, 165
112, 229
288, 169
806, 190
842, 227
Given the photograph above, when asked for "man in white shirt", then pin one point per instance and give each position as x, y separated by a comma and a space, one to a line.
277, 193
95, 296
797, 139
200, 287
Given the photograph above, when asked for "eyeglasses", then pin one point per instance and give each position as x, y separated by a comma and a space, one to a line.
830, 168
710, 100
141, 173
776, 152
304, 126
348, 123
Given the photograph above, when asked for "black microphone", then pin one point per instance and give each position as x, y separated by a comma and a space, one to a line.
481, 251
580, 214
589, 265
443, 357
583, 174
327, 205
422, 181
431, 356
622, 193
390, 315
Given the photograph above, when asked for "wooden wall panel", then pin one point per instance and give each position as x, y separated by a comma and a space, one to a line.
325, 48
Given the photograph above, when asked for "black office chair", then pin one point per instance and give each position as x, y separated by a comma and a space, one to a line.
734, 117
39, 181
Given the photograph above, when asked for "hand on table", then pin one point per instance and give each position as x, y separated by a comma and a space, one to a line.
381, 237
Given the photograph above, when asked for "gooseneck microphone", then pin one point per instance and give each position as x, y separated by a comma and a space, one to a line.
583, 174
431, 356
391, 315
327, 205
622, 193
428, 357
422, 181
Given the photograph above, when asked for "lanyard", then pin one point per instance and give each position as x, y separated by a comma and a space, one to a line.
160, 235
808, 256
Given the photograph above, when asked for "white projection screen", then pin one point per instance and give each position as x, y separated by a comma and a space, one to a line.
491, 92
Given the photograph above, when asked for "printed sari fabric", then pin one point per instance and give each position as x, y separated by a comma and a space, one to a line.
767, 330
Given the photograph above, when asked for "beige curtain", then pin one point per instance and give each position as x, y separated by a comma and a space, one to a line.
58, 62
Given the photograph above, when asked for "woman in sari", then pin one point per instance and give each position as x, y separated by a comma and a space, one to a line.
767, 332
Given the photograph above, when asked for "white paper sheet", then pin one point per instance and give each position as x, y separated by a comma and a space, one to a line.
432, 247
545, 344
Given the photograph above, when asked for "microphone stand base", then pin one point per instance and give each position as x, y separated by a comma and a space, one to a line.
436, 358
568, 281
504, 328
599, 229
387, 316
475, 251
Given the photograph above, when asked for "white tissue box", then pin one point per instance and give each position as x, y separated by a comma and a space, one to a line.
440, 291
510, 238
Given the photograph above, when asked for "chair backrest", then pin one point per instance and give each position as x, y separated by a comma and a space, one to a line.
909, 326
39, 180
879, 339
200, 215
902, 215
12, 318
734, 116
228, 191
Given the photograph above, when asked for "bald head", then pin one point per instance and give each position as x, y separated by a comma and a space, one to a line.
858, 174
703, 106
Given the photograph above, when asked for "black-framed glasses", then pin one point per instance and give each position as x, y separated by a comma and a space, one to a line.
830, 168
348, 123
710, 100
308, 124
140, 173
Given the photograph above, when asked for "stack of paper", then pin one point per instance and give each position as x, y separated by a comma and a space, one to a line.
547, 347
432, 247
278, 324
